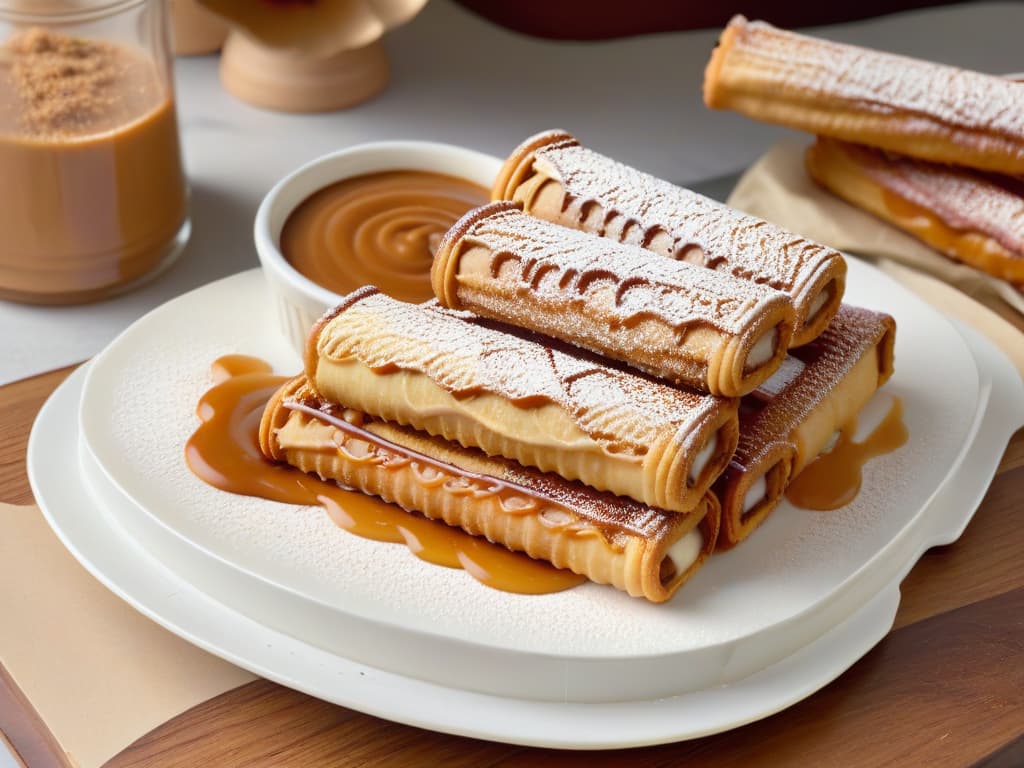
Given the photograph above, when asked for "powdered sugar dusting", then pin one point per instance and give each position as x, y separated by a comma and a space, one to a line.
882, 83
554, 262
622, 411
734, 242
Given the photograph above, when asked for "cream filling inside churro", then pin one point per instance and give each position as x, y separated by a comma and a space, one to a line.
700, 461
684, 552
828, 446
763, 349
755, 494
819, 302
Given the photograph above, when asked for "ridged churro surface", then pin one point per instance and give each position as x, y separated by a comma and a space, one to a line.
643, 551
674, 320
918, 108
529, 399
555, 178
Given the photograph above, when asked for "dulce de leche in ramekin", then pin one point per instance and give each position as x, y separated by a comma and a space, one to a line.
93, 197
377, 229
369, 214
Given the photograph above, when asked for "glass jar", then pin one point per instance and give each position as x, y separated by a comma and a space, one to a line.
92, 189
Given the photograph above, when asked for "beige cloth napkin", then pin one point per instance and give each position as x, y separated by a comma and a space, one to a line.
777, 188
99, 674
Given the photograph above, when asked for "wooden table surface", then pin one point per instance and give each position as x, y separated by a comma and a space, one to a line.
945, 687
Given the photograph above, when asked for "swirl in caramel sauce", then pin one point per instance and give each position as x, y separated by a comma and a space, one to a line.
224, 452
377, 229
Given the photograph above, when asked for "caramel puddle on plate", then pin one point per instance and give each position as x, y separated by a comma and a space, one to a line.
833, 479
224, 452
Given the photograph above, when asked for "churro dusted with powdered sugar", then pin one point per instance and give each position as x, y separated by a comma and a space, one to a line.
918, 108
555, 178
528, 399
644, 551
671, 319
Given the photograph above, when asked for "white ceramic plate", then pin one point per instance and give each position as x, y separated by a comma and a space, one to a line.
759, 618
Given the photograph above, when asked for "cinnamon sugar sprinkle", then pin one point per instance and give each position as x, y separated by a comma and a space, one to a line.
67, 86
621, 411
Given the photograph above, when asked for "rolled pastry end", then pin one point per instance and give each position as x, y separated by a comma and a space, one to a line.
274, 417
714, 95
749, 494
747, 360
681, 469
445, 269
519, 165
311, 353
818, 300
678, 560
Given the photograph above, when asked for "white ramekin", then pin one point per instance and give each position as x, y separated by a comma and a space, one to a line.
300, 301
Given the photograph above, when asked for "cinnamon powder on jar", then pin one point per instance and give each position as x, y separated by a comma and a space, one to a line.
93, 196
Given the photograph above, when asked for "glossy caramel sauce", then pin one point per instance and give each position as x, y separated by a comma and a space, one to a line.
224, 452
377, 229
921, 221
833, 479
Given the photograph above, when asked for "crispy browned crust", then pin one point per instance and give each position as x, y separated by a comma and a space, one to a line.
553, 177
519, 164
917, 108
606, 538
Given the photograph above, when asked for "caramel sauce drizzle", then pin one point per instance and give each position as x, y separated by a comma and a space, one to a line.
924, 222
224, 452
833, 479
514, 497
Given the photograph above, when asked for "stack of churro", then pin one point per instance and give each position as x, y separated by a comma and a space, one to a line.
617, 376
934, 150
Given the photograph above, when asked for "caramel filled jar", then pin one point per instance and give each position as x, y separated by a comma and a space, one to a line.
92, 190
